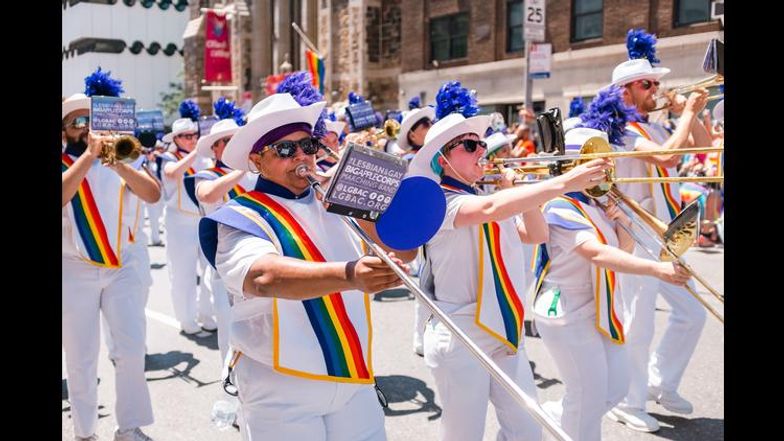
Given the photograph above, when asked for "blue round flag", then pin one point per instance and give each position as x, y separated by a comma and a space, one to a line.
414, 215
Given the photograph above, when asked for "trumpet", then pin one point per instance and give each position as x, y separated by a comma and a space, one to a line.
715, 80
120, 148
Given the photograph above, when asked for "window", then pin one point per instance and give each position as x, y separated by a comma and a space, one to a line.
449, 37
586, 19
691, 11
514, 26
105, 45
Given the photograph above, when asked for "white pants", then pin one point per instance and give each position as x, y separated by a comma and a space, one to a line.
182, 253
154, 212
464, 386
594, 370
421, 314
277, 407
220, 301
665, 366
89, 291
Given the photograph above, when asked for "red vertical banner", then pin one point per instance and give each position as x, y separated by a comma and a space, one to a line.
217, 52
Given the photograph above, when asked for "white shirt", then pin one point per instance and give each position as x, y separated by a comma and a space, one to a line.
636, 167
251, 329
171, 185
248, 182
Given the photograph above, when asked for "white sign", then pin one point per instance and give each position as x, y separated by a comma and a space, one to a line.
533, 20
540, 57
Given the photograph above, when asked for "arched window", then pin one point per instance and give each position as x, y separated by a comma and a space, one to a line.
164, 4
181, 5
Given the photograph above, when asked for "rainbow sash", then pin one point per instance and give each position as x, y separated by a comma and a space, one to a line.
336, 328
499, 310
568, 213
94, 244
666, 198
215, 173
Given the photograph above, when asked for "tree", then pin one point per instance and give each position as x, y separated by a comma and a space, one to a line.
170, 101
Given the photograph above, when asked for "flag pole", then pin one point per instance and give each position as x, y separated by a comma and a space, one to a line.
307, 41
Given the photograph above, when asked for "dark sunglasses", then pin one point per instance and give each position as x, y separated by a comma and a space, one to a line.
187, 136
647, 84
287, 149
80, 122
469, 145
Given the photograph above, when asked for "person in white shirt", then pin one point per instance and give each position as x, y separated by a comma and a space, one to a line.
182, 218
657, 375
300, 283
475, 264
577, 305
101, 270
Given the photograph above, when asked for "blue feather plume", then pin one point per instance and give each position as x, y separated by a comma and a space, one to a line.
224, 108
100, 83
300, 86
608, 113
641, 44
354, 98
414, 103
576, 107
189, 109
452, 97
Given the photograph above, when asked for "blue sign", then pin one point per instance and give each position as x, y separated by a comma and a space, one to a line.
539, 75
361, 115
113, 114
150, 121
206, 123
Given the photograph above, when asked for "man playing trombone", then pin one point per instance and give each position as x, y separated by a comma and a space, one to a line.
655, 376
475, 265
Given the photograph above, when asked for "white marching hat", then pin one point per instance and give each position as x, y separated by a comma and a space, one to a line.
447, 128
409, 119
181, 125
638, 69
571, 123
575, 138
718, 112
268, 114
76, 101
335, 126
221, 129
496, 141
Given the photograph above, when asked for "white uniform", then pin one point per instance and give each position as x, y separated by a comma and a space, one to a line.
182, 250
100, 275
154, 211
665, 366
464, 386
211, 279
286, 389
593, 366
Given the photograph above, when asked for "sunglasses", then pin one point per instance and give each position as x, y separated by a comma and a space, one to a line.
80, 122
187, 136
469, 145
647, 84
287, 149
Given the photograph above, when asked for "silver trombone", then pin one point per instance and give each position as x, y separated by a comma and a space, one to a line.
530, 404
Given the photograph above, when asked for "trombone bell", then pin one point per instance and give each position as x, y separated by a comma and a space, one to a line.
597, 145
681, 232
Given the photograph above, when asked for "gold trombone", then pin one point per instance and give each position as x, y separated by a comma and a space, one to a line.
715, 80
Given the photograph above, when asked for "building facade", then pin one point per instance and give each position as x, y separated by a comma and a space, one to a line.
480, 43
140, 42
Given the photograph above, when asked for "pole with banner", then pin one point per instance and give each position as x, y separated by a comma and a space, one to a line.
533, 31
217, 50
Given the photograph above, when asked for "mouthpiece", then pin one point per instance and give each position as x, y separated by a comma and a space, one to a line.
302, 171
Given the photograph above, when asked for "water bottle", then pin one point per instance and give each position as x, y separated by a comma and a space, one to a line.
224, 413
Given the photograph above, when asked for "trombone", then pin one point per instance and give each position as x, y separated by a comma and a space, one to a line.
525, 400
715, 80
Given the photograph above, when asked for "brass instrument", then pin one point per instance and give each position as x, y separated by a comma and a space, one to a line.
373, 139
715, 80
120, 148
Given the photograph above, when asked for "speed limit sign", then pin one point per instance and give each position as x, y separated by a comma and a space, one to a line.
533, 20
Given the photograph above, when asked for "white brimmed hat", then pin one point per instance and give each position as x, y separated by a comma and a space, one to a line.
575, 138
447, 128
76, 101
268, 114
638, 69
221, 129
335, 126
496, 141
718, 112
409, 119
181, 125
571, 123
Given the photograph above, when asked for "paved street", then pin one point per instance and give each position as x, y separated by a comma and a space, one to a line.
183, 373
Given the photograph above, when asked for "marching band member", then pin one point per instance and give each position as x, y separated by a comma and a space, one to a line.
578, 308
471, 262
300, 317
413, 129
182, 217
101, 271
656, 375
214, 187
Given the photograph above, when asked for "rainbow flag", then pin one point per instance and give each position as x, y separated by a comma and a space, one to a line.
316, 69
